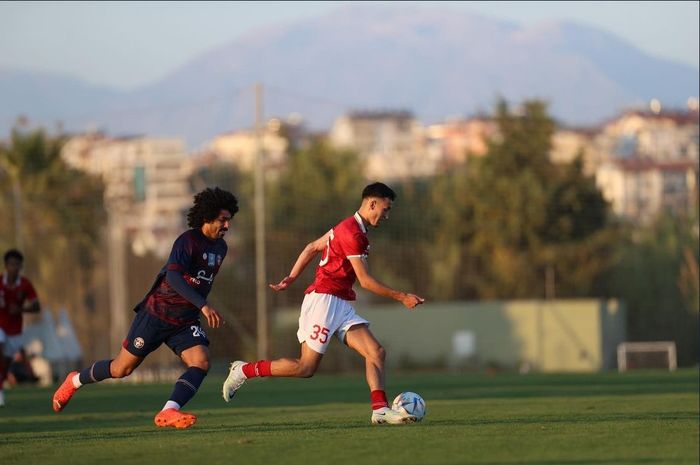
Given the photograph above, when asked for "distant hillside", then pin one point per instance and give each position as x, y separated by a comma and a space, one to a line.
430, 60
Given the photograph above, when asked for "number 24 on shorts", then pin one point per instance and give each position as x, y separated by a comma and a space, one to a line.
320, 331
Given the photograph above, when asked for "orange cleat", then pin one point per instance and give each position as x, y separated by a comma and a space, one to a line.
175, 418
64, 393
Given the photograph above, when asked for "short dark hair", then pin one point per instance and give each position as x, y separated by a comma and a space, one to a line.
378, 189
208, 204
14, 253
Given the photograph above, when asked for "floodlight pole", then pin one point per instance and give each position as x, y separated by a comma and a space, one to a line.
259, 203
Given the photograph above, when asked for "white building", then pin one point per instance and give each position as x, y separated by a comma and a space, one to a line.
146, 185
241, 147
390, 143
640, 189
662, 136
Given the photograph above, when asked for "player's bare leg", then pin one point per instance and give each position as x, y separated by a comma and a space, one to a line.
361, 339
4, 369
303, 367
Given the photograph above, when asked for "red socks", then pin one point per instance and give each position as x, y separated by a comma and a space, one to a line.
378, 399
259, 368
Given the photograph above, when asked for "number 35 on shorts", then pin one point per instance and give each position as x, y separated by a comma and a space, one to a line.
320, 333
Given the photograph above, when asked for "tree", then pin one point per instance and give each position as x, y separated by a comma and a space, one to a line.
509, 217
656, 274
61, 215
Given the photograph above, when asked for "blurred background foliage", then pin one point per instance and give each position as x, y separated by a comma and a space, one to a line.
508, 225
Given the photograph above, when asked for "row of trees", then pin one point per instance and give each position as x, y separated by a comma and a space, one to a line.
507, 225
55, 215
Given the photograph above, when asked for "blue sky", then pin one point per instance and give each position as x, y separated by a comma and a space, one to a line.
125, 45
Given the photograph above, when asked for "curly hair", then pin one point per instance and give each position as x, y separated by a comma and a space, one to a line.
208, 204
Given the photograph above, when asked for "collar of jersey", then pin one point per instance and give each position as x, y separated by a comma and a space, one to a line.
4, 280
358, 218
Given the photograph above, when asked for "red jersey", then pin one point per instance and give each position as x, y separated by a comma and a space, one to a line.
11, 295
335, 274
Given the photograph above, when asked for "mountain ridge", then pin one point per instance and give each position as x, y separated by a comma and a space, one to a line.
435, 62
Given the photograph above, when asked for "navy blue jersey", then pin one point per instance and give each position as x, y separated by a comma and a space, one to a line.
197, 259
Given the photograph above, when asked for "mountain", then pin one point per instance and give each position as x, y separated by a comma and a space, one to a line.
430, 60
48, 98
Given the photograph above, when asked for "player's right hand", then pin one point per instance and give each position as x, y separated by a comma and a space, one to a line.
214, 318
412, 300
282, 285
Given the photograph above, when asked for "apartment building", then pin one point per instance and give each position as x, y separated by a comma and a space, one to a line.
390, 143
656, 135
651, 164
640, 189
454, 141
146, 185
240, 147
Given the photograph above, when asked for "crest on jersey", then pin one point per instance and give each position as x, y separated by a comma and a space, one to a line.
139, 342
211, 259
219, 258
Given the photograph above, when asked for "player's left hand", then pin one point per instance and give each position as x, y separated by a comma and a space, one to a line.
412, 300
214, 318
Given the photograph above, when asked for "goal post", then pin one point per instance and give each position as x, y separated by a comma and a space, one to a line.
656, 354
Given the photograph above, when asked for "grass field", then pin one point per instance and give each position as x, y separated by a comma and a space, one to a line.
603, 419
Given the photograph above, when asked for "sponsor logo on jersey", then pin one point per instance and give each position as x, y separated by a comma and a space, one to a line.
211, 261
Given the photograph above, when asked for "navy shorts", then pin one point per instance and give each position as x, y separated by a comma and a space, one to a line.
148, 332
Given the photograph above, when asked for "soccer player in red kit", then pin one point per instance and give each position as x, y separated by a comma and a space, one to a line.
327, 308
17, 296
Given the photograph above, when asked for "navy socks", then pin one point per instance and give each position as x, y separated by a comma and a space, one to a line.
186, 386
96, 373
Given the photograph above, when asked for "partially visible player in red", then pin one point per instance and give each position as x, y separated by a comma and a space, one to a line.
17, 296
327, 308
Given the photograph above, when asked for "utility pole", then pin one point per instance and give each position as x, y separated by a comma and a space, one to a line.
116, 251
549, 283
259, 202
19, 220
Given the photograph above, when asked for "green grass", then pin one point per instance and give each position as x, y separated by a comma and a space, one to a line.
602, 419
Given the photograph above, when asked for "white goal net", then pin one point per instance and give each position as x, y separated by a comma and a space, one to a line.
646, 355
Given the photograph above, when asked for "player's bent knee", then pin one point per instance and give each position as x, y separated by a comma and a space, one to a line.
121, 372
201, 364
305, 371
377, 355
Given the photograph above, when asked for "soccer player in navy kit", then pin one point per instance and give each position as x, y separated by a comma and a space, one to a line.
169, 313
327, 308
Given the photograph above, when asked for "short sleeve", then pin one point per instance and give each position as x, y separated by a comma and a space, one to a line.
29, 291
355, 245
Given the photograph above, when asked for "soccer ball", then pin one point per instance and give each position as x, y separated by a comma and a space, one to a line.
411, 403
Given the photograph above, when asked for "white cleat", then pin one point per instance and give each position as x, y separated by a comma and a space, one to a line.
385, 415
234, 380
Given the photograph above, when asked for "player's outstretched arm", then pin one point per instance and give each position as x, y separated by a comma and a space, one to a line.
303, 260
369, 283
